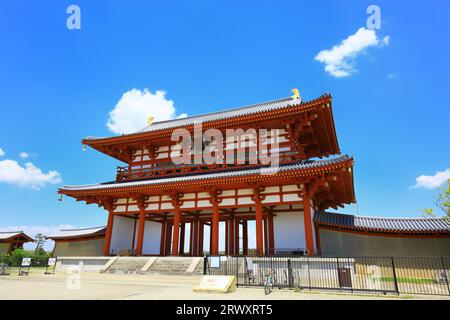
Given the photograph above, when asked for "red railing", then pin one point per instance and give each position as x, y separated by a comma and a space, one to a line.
146, 170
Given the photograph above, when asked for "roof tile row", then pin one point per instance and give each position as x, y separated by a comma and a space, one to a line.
379, 224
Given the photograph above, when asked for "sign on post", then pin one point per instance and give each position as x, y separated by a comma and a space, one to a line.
214, 262
51, 263
26, 264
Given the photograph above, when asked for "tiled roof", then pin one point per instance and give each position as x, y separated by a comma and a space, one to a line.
226, 114
5, 235
301, 165
379, 224
80, 233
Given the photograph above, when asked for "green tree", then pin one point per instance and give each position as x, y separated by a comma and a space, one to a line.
442, 202
40, 240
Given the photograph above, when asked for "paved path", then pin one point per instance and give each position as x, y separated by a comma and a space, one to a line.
113, 286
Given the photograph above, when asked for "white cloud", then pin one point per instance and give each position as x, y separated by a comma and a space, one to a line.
24, 155
28, 176
2, 153
135, 106
432, 182
340, 60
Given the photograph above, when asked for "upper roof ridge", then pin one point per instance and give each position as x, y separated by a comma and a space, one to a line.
218, 112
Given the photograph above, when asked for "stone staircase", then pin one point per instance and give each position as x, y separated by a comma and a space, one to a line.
128, 265
176, 265
157, 265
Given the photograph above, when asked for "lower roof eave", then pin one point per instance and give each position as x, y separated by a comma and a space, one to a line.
292, 172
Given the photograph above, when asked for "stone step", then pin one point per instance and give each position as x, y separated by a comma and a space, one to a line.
162, 265
128, 265
172, 265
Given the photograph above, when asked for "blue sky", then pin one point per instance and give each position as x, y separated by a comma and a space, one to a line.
58, 85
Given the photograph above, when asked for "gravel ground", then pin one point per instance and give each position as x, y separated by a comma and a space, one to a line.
112, 286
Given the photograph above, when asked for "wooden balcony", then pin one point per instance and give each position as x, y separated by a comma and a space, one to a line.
159, 169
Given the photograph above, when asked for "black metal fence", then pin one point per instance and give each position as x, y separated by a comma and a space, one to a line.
407, 275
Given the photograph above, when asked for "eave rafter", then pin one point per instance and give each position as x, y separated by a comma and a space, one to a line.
318, 189
302, 135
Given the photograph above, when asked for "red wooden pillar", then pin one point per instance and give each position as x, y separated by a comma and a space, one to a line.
266, 235
231, 236
215, 229
195, 251
271, 235
141, 228
200, 238
182, 239
211, 240
109, 227
191, 239
226, 237
162, 243
168, 238
176, 230
308, 224
259, 225
245, 237
133, 241
236, 236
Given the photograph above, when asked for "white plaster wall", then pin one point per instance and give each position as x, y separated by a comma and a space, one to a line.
289, 230
122, 233
84, 248
152, 238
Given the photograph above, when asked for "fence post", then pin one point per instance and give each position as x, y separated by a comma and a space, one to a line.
395, 276
289, 273
445, 274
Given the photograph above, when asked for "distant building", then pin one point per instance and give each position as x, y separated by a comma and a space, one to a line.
348, 235
12, 240
79, 242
